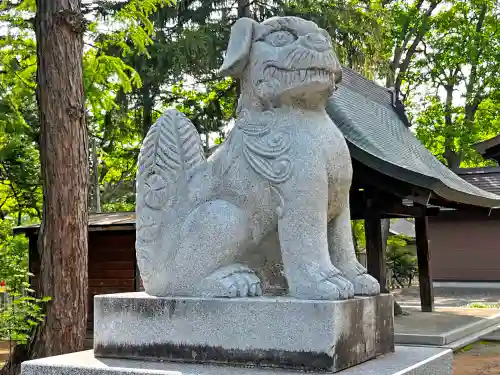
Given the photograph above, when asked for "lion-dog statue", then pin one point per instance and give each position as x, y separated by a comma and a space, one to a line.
284, 170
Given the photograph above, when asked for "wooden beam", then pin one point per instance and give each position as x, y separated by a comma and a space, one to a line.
389, 206
424, 271
368, 177
375, 253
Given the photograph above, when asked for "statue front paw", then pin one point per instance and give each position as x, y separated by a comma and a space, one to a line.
232, 281
364, 284
329, 285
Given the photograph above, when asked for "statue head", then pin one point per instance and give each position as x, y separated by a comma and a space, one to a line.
281, 60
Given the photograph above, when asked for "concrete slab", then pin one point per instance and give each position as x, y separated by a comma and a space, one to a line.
493, 335
476, 336
444, 326
404, 361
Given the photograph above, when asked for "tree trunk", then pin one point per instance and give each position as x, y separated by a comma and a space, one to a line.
95, 177
63, 235
451, 156
62, 243
147, 108
63, 239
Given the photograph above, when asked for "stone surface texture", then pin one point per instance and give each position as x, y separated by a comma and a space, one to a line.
284, 171
405, 361
266, 332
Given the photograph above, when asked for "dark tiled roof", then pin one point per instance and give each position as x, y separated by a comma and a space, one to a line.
379, 139
482, 147
487, 178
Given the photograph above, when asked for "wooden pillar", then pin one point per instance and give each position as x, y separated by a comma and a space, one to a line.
375, 253
424, 271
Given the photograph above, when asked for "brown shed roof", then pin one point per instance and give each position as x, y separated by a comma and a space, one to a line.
490, 148
97, 222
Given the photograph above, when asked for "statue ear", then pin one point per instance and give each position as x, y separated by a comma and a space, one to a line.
238, 49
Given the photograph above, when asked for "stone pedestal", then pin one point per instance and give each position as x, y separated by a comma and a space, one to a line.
275, 332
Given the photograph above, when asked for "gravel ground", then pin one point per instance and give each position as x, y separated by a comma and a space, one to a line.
480, 358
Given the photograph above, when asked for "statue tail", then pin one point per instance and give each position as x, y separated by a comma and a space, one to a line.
170, 151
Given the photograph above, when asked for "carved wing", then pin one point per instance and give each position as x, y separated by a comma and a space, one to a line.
170, 151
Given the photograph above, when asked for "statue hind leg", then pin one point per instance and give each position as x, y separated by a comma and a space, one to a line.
343, 256
212, 238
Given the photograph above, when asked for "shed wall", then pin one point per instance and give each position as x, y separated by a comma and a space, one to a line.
111, 267
465, 249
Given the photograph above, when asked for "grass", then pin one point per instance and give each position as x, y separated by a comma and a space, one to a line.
480, 305
465, 349
469, 347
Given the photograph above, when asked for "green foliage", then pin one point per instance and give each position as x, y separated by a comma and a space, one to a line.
399, 257
357, 29
401, 260
209, 109
458, 69
135, 26
358, 234
144, 56
20, 311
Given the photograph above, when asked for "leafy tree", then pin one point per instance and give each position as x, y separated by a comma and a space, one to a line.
21, 138
406, 29
460, 65
356, 28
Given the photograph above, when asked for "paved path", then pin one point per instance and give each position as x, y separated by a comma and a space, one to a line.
449, 297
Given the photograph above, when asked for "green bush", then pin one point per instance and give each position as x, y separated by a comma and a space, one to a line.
401, 260
20, 310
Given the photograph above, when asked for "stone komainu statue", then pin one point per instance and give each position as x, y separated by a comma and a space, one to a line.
283, 172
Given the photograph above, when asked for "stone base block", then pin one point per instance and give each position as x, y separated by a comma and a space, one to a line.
265, 332
405, 361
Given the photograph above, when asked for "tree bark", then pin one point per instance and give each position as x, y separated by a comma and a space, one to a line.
95, 177
451, 156
148, 104
63, 239
399, 66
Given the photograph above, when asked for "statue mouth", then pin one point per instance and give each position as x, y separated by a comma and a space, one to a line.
298, 77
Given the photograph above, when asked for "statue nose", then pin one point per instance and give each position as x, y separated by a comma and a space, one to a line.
317, 41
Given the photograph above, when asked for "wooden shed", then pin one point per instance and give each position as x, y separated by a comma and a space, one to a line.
394, 176
112, 264
465, 246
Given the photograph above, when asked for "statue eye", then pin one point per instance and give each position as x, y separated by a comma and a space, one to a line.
280, 38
